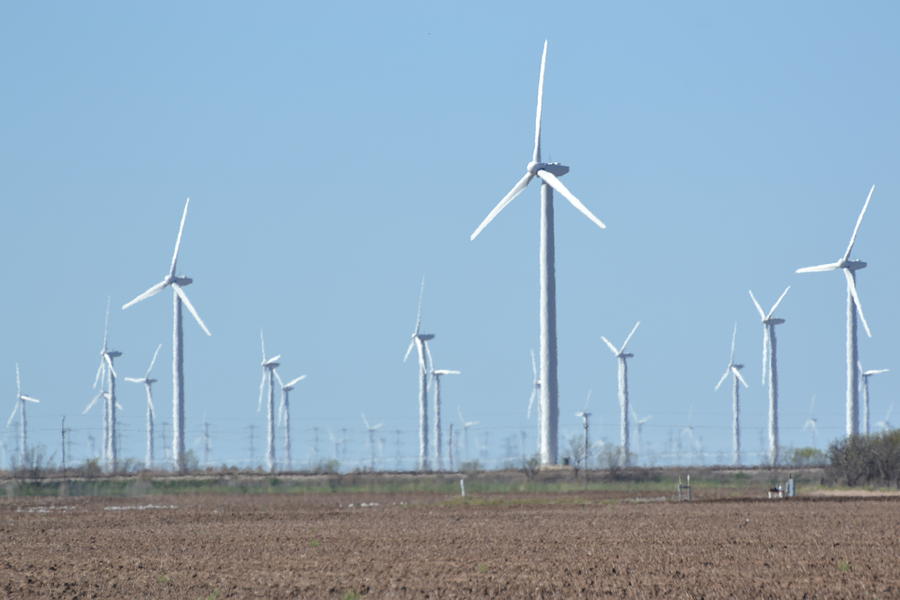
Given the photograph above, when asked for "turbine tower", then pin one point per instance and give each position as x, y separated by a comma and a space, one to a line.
420, 341
770, 368
19, 406
812, 423
623, 357
549, 174
465, 426
268, 368
106, 375
436, 375
734, 370
151, 412
179, 297
285, 414
639, 430
371, 429
854, 307
865, 390
585, 417
535, 392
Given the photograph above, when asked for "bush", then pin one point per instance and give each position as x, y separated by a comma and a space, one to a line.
872, 460
806, 457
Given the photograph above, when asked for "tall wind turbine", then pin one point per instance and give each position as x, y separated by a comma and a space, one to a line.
151, 412
770, 368
371, 429
436, 375
19, 406
734, 370
623, 357
854, 307
285, 414
549, 174
179, 297
865, 390
106, 374
465, 426
268, 368
420, 341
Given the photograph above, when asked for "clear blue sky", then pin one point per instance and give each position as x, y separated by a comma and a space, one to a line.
336, 152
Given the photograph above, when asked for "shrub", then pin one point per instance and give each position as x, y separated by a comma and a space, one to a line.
872, 459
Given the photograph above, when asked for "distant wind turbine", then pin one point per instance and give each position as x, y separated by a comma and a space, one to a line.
854, 307
151, 411
420, 341
268, 368
436, 375
811, 423
865, 390
585, 417
106, 374
465, 426
639, 429
770, 368
535, 393
623, 357
179, 297
734, 370
19, 407
549, 174
285, 414
885, 424
371, 429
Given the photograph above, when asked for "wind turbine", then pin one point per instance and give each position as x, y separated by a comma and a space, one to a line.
734, 370
465, 426
179, 297
549, 174
285, 414
19, 406
585, 417
420, 341
106, 373
535, 392
885, 425
268, 368
623, 357
770, 368
436, 375
639, 429
811, 422
865, 390
371, 429
854, 307
151, 412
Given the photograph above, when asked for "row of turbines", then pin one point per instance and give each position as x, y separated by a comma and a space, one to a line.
546, 388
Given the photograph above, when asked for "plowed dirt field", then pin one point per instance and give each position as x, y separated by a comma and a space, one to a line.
429, 546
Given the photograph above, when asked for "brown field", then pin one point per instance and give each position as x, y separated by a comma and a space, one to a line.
421, 545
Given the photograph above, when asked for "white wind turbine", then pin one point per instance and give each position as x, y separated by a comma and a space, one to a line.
148, 382
535, 392
179, 297
639, 423
285, 414
623, 357
734, 370
465, 426
811, 424
371, 429
19, 407
268, 368
106, 375
885, 424
770, 368
420, 341
549, 174
436, 375
865, 390
854, 307
585, 417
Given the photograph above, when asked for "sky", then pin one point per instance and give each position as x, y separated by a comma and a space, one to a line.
336, 153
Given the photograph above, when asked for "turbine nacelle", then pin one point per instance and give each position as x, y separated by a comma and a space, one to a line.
111, 353
271, 363
424, 337
773, 321
182, 281
555, 168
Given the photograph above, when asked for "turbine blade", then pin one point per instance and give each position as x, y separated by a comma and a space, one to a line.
99, 372
820, 268
365, 420
722, 379
733, 340
12, 414
92, 403
628, 339
278, 377
178, 239
190, 307
765, 353
554, 182
419, 306
612, 348
777, 302
534, 370
152, 361
409, 348
877, 371
509, 197
531, 402
295, 381
428, 354
109, 364
762, 313
150, 404
262, 385
135, 380
262, 343
18, 381
154, 290
739, 376
106, 325
851, 285
858, 223
536, 155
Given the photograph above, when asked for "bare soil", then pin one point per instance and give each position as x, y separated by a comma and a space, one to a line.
418, 545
